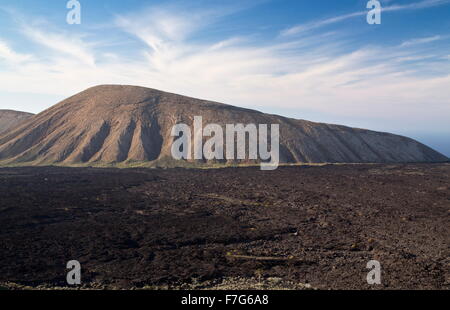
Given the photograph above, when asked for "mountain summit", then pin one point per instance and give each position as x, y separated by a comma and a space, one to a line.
113, 124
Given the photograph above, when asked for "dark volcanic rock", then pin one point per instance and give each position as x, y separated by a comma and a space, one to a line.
125, 124
155, 227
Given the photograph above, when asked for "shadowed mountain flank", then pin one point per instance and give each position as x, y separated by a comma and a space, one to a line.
112, 124
10, 118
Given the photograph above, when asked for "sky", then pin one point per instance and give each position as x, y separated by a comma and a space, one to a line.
316, 60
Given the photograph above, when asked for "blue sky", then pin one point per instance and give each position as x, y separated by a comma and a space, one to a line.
318, 60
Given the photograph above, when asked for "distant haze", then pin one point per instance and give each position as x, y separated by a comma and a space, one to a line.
438, 141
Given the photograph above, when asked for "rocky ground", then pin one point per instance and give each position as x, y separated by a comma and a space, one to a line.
295, 228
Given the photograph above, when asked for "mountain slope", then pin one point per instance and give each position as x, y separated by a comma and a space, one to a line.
123, 124
10, 118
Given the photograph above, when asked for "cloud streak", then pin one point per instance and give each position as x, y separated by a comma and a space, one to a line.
299, 29
10, 56
62, 43
421, 40
319, 72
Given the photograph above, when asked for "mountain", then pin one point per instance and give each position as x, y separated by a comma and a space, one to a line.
9, 119
113, 124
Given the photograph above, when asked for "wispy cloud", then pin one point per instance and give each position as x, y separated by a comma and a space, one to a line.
416, 5
298, 29
62, 43
9, 55
319, 23
421, 40
320, 72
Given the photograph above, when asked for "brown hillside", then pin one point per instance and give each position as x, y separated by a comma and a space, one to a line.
124, 124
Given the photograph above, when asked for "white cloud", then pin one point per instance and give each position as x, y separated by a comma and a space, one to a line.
319, 23
63, 43
421, 40
417, 5
311, 73
302, 28
9, 55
